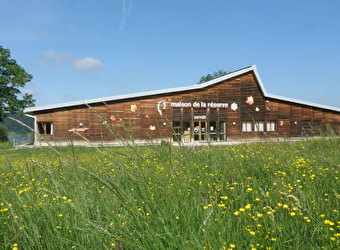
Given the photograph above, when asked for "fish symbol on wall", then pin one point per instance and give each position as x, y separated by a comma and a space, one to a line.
78, 129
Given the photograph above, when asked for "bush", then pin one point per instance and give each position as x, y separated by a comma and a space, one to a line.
3, 134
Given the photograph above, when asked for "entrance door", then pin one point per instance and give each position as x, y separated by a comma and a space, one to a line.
200, 131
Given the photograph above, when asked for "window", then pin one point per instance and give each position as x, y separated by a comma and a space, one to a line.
271, 126
45, 128
176, 129
222, 130
176, 114
306, 127
213, 130
246, 127
259, 127
317, 127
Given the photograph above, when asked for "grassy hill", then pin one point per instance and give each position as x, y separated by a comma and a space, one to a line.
15, 129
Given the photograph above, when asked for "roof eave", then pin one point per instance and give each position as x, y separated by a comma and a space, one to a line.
142, 94
182, 89
296, 101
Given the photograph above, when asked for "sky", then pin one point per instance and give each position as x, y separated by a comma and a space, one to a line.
85, 49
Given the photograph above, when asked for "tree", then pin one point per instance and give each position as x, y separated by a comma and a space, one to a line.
214, 75
3, 134
12, 78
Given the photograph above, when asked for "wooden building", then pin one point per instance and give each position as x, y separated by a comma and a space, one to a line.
232, 107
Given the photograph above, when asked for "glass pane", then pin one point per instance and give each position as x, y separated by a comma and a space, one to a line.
212, 126
203, 128
222, 130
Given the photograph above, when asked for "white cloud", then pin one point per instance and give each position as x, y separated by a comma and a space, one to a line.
55, 59
87, 64
52, 55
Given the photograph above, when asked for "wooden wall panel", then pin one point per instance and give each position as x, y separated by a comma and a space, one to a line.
141, 117
317, 114
295, 127
284, 111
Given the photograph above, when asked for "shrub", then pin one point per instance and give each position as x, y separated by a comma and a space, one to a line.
3, 134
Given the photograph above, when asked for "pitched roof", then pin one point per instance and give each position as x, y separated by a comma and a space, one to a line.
181, 89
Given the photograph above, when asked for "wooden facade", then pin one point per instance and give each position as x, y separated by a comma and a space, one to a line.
235, 106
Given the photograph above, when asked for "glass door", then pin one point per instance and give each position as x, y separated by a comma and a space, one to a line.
212, 130
222, 130
200, 131
176, 131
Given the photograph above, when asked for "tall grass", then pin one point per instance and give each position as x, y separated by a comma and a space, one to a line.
249, 196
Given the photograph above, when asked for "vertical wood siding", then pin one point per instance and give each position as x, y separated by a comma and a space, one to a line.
139, 118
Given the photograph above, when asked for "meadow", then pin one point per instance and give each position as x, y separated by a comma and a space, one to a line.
251, 196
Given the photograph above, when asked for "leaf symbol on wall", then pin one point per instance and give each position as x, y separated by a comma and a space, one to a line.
250, 100
133, 108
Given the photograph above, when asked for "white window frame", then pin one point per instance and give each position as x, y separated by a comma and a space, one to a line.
46, 127
259, 126
247, 126
271, 126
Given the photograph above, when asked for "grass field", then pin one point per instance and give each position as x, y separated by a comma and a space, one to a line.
251, 196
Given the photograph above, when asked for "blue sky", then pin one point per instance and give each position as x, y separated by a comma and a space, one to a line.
86, 49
